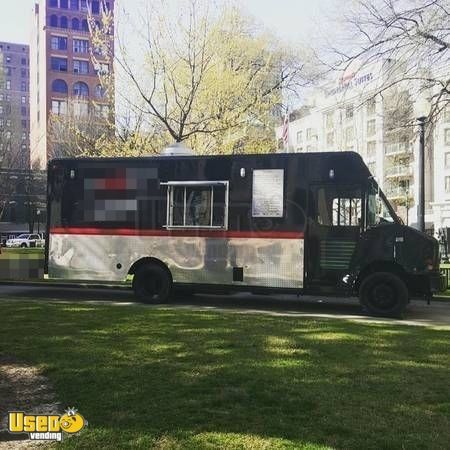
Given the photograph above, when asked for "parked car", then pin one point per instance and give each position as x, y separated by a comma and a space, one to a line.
26, 241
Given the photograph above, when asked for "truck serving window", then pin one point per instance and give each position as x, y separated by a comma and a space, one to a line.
193, 204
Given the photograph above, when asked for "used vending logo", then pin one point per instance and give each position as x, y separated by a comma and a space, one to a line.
42, 427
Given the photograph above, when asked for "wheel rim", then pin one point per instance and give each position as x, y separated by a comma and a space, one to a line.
383, 296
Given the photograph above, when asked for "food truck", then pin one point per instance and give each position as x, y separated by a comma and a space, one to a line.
302, 223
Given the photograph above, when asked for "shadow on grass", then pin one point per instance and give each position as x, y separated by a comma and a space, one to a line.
174, 378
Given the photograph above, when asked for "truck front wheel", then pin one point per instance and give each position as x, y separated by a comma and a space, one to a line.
152, 283
383, 294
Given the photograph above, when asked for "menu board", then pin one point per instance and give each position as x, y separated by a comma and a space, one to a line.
268, 193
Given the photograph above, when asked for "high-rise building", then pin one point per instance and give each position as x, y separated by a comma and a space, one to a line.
349, 114
14, 106
63, 69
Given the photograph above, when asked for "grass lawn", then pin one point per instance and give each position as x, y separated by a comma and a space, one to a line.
171, 378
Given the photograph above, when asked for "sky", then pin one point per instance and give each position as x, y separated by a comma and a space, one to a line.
291, 20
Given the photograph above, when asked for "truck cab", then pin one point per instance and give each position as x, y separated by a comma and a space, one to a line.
358, 246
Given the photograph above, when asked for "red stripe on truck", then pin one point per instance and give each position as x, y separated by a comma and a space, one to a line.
178, 233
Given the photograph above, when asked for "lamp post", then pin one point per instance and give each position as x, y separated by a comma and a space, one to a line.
421, 109
38, 214
421, 206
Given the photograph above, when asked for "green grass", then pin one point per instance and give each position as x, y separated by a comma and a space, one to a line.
180, 379
26, 253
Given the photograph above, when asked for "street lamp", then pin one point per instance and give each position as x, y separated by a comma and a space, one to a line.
422, 110
38, 214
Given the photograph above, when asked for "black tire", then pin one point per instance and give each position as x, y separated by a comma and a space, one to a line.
383, 294
152, 283
23, 245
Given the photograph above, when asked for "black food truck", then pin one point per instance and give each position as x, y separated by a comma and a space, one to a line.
313, 223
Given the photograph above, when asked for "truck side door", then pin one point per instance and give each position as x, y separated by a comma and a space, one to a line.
335, 221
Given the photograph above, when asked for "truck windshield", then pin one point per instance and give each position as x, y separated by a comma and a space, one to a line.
378, 210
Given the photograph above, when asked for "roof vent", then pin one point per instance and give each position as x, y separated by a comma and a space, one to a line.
177, 149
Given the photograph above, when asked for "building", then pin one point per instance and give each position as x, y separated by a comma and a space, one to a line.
14, 105
64, 73
345, 114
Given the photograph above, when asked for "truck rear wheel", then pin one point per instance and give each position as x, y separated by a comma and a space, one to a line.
383, 294
152, 283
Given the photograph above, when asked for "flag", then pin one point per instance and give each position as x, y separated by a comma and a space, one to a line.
285, 131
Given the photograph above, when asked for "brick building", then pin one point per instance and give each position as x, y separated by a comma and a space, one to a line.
63, 71
14, 105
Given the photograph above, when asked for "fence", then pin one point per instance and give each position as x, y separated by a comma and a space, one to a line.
445, 269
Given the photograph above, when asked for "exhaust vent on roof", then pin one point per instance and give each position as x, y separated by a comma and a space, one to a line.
177, 149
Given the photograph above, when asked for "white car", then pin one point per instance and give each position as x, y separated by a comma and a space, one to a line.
26, 241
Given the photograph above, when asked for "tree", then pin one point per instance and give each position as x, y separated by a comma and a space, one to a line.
413, 36
212, 81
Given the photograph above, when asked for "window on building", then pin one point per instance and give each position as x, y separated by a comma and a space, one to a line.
299, 136
309, 133
101, 111
447, 136
95, 7
8, 84
23, 111
23, 73
8, 59
100, 91
83, 5
371, 149
75, 24
7, 108
80, 46
84, 25
372, 167
80, 109
330, 139
1, 109
447, 113
23, 86
63, 4
2, 122
349, 134
81, 67
63, 22
198, 205
80, 89
53, 3
329, 120
74, 5
102, 69
371, 106
371, 127
447, 160
24, 61
7, 71
59, 64
54, 20
23, 100
59, 43
2, 97
24, 135
60, 86
447, 185
59, 107
24, 123
349, 111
